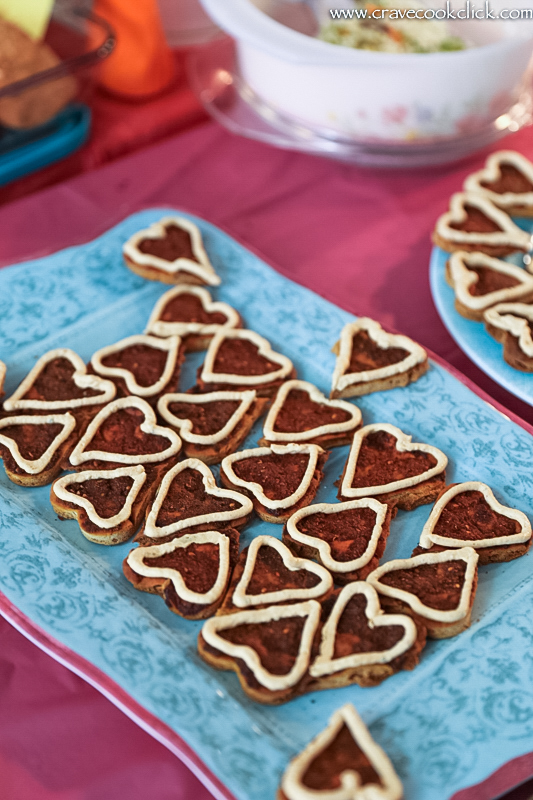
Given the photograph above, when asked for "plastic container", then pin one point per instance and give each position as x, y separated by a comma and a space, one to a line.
382, 99
81, 40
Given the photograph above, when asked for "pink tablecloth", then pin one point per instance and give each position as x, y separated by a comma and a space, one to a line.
359, 238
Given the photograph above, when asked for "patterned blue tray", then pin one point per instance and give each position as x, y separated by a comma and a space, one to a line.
468, 707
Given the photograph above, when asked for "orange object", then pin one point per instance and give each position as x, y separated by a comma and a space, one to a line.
142, 63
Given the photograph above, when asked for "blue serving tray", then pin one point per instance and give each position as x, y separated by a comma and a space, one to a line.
462, 713
26, 151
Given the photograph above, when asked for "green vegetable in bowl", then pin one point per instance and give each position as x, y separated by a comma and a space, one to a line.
386, 26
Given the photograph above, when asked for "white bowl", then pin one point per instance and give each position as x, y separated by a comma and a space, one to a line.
372, 96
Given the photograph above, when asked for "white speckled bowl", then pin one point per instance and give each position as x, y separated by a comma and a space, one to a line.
380, 97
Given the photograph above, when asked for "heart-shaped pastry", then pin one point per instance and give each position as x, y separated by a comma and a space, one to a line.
369, 360
33, 447
279, 479
145, 366
480, 281
214, 424
342, 762
273, 643
242, 359
506, 180
268, 573
189, 312
170, 251
512, 325
474, 223
191, 572
383, 462
437, 589
469, 514
59, 381
301, 413
125, 432
360, 644
346, 538
189, 497
108, 504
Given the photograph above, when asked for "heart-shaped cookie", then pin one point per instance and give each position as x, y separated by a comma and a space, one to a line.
512, 325
301, 413
214, 424
242, 359
108, 504
191, 571
436, 588
268, 573
33, 447
279, 479
358, 635
369, 360
170, 251
480, 281
189, 312
59, 381
125, 432
383, 462
342, 762
506, 180
474, 223
469, 514
346, 538
145, 366
189, 497
274, 643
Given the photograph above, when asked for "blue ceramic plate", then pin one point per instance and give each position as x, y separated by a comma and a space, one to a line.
471, 336
468, 707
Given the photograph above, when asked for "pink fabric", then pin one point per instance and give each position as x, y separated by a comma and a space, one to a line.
359, 238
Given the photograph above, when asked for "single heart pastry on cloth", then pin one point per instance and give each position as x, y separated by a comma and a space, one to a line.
191, 572
188, 500
342, 763
242, 359
267, 573
346, 538
384, 463
436, 589
269, 648
301, 413
360, 644
279, 479
214, 424
480, 281
469, 514
171, 251
141, 365
369, 360
474, 223
512, 325
108, 504
35, 447
59, 382
190, 313
506, 180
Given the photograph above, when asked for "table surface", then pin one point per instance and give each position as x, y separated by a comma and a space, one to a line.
359, 238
